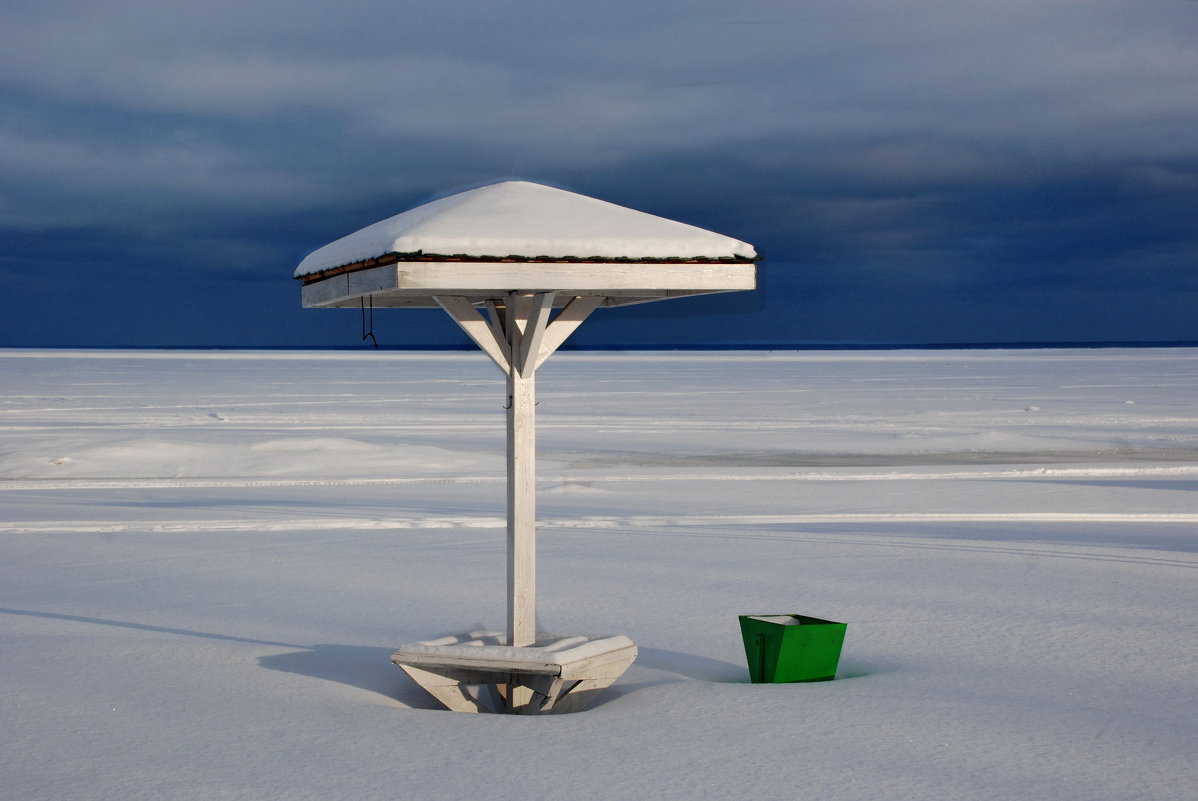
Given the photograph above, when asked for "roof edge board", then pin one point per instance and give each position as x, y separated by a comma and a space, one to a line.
427, 258
422, 280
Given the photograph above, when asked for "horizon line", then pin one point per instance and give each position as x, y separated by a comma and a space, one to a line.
751, 346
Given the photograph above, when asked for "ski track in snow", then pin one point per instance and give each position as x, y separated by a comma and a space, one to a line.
67, 484
733, 527
604, 522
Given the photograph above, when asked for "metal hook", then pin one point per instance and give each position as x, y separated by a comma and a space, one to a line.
366, 333
508, 405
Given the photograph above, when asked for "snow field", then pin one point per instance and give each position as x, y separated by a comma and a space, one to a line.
200, 597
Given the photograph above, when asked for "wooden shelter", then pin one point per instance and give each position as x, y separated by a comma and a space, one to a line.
499, 260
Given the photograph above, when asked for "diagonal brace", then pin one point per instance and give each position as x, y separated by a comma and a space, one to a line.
478, 329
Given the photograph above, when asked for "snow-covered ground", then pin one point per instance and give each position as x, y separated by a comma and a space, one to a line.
206, 560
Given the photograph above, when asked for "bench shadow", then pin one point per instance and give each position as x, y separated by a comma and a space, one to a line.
702, 668
691, 666
364, 667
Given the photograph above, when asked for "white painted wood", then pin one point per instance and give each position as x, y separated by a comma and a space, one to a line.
368, 282
445, 687
417, 283
521, 476
495, 318
478, 658
581, 682
477, 328
564, 276
332, 291
536, 685
534, 333
565, 323
613, 298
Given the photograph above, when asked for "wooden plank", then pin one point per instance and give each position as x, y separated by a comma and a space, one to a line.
369, 282
521, 512
570, 276
477, 328
326, 293
534, 333
416, 283
445, 688
477, 662
401, 299
521, 483
393, 258
495, 317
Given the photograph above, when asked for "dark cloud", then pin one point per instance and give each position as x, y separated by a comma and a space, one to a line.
913, 171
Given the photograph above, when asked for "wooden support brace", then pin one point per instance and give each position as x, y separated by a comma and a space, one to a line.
496, 316
534, 332
565, 323
478, 329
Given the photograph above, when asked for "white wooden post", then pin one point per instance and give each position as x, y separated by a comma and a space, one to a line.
521, 480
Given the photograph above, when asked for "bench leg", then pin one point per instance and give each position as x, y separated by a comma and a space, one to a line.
448, 688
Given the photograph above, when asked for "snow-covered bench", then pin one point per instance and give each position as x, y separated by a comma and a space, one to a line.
477, 672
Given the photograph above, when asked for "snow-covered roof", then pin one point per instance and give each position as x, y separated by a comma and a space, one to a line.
530, 221
522, 237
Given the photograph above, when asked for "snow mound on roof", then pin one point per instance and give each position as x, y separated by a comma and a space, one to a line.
526, 220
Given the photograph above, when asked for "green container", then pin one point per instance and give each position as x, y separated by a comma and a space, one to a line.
787, 648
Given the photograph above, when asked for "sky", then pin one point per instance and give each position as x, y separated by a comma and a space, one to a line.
913, 171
